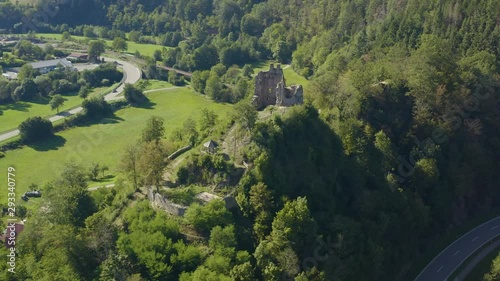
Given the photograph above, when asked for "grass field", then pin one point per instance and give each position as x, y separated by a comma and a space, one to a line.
102, 143
15, 113
156, 84
144, 49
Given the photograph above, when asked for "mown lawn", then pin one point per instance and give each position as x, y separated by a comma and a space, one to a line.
102, 142
144, 49
156, 84
13, 114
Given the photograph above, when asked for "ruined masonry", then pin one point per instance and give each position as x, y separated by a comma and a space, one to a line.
162, 202
271, 89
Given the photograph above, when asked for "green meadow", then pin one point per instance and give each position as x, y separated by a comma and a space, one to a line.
144, 49
11, 115
104, 141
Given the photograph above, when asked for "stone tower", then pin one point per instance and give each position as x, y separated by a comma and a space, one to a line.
271, 89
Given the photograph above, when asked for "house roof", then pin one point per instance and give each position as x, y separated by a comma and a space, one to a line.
210, 144
50, 63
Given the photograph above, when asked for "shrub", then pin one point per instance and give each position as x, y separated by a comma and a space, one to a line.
204, 218
204, 169
133, 95
34, 129
105, 73
96, 107
175, 79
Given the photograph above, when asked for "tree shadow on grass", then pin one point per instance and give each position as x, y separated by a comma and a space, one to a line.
106, 178
146, 105
111, 120
17, 106
102, 120
51, 143
40, 100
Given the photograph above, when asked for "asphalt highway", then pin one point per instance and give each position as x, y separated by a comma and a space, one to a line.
444, 264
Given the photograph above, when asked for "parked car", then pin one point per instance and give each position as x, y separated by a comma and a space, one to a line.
34, 193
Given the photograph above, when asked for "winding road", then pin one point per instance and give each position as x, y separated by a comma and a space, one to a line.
132, 75
444, 264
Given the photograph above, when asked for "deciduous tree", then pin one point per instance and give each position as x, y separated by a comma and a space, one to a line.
245, 114
154, 130
208, 119
152, 162
95, 49
119, 44
35, 129
56, 102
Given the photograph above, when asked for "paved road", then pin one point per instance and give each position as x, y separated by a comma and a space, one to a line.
161, 89
133, 74
94, 188
444, 264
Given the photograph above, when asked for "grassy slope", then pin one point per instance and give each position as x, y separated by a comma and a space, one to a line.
144, 49
13, 114
102, 143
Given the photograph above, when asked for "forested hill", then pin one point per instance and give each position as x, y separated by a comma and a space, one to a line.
470, 25
304, 32
397, 144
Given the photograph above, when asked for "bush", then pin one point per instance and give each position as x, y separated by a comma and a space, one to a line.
2, 155
96, 107
34, 129
204, 169
105, 73
175, 79
133, 95
204, 218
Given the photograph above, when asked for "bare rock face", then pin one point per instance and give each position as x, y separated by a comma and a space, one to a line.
271, 89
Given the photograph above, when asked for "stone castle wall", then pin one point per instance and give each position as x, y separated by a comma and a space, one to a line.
289, 96
265, 86
271, 89
160, 201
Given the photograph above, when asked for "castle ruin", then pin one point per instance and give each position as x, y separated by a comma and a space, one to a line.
271, 89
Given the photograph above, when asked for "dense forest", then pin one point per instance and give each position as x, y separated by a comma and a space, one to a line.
397, 143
